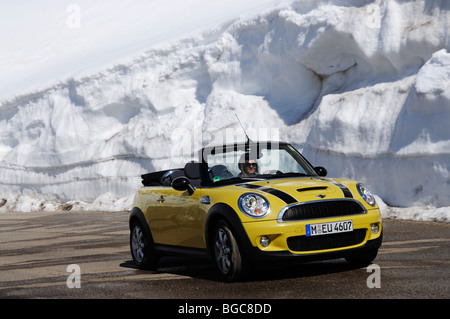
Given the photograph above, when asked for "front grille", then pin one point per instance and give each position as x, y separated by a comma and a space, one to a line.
322, 209
308, 243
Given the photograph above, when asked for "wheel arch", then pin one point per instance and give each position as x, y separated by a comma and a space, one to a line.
137, 215
221, 211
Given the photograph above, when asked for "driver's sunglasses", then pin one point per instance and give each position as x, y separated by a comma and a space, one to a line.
251, 164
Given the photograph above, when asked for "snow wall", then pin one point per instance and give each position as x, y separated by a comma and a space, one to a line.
360, 87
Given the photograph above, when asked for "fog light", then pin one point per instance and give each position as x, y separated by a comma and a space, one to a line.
264, 241
375, 228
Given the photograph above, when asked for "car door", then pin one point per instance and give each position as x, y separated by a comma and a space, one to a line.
153, 200
179, 220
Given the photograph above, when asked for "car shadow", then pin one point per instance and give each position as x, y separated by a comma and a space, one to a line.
304, 269
205, 269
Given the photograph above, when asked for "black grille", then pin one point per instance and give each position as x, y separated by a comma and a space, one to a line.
322, 209
308, 243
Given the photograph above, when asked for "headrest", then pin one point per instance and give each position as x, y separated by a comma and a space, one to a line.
192, 170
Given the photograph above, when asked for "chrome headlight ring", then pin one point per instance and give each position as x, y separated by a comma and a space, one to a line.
366, 194
254, 205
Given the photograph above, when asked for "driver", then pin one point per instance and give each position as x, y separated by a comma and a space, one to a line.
248, 167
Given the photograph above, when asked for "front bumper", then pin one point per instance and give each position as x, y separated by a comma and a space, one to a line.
289, 241
268, 256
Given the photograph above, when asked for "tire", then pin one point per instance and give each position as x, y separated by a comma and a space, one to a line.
141, 246
363, 258
229, 260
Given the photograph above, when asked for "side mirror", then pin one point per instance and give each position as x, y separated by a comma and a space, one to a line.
182, 183
321, 171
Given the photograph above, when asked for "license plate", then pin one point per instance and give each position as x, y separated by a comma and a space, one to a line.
329, 228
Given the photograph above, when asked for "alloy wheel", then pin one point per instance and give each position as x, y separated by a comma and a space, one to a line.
223, 251
137, 244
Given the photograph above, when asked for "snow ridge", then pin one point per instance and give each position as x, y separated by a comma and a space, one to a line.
362, 88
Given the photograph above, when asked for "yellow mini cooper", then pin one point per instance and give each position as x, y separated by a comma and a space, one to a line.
252, 202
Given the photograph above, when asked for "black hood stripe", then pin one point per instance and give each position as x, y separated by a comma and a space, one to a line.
345, 190
288, 199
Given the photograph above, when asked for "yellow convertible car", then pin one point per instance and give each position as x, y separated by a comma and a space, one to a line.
252, 202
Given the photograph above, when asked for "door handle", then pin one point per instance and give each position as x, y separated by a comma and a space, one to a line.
160, 200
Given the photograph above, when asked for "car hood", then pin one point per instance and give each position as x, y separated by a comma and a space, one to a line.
301, 189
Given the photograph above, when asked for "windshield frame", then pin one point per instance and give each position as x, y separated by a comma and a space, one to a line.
254, 148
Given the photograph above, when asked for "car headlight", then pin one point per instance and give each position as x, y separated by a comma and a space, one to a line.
254, 205
366, 194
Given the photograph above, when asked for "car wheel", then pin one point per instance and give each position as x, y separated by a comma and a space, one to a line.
363, 258
141, 245
228, 257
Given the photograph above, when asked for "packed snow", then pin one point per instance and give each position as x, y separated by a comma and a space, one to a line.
95, 93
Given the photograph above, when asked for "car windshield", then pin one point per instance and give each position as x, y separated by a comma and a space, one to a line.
255, 161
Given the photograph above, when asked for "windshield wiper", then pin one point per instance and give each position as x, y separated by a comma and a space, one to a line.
259, 177
237, 180
289, 174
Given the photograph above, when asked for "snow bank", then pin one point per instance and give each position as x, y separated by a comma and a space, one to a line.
417, 213
44, 43
28, 204
361, 87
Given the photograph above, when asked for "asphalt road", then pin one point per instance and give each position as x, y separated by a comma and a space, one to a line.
37, 249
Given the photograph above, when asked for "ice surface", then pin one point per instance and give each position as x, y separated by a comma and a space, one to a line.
97, 93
